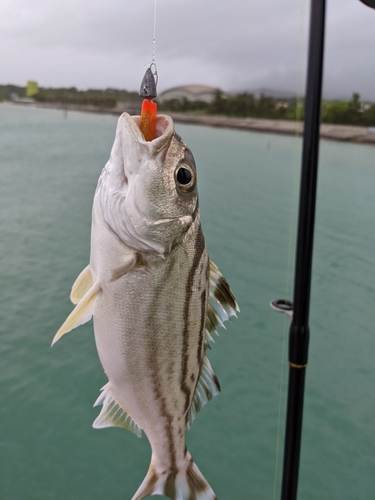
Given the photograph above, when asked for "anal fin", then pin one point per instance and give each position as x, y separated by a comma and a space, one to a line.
82, 312
113, 414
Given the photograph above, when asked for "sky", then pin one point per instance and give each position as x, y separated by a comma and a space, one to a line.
237, 45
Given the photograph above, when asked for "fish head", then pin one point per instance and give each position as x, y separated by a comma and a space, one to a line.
148, 189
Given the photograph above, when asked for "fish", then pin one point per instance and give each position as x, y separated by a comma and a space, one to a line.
156, 300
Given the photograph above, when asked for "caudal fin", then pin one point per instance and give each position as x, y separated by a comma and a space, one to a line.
187, 483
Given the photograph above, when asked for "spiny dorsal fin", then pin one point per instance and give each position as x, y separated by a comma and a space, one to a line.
208, 386
82, 285
222, 304
113, 414
82, 312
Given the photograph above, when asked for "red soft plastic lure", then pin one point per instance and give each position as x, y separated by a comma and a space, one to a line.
148, 119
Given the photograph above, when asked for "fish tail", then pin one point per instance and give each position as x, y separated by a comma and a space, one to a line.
186, 483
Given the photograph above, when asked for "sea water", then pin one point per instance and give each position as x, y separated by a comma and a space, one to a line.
248, 184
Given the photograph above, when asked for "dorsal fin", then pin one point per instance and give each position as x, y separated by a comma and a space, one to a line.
113, 414
222, 304
208, 386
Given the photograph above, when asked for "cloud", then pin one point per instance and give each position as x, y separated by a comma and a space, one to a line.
236, 45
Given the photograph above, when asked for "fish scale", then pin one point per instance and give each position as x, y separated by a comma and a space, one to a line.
156, 300
160, 343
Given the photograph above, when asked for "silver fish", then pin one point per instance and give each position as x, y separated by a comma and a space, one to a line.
155, 298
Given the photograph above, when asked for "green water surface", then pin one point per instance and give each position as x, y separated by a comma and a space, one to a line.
248, 185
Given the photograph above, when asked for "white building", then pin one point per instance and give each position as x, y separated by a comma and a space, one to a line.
190, 92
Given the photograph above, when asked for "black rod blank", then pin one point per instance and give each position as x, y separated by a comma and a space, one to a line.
299, 330
369, 3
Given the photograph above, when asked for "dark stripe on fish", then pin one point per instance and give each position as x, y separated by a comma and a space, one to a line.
170, 486
154, 369
224, 294
217, 383
196, 483
203, 322
168, 427
151, 482
199, 248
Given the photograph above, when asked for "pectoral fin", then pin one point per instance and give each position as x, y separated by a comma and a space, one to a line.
80, 314
131, 261
82, 285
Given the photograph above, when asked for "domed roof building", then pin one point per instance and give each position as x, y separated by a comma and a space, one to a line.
189, 92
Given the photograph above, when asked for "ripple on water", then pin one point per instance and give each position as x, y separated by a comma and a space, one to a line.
247, 198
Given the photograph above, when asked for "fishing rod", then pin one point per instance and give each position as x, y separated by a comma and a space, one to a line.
299, 309
369, 3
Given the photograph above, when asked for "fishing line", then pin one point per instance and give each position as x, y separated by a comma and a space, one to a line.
288, 289
154, 39
152, 64
291, 244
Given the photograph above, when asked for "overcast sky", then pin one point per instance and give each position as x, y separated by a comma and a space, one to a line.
232, 44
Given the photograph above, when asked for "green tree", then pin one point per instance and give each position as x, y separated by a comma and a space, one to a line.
218, 105
353, 111
265, 107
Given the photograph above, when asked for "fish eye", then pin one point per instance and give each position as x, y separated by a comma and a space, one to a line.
185, 178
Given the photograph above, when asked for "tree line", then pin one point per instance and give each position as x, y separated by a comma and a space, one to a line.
244, 104
107, 98
92, 97
353, 112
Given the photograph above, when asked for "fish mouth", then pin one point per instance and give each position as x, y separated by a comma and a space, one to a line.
163, 133
125, 208
133, 145
163, 124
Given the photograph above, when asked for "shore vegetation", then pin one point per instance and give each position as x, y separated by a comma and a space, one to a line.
244, 104
353, 112
107, 98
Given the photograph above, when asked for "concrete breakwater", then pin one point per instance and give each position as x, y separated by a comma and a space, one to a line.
335, 132
349, 133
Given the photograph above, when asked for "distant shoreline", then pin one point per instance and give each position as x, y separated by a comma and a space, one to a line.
344, 133
348, 133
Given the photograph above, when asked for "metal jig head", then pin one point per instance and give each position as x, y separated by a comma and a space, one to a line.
148, 85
